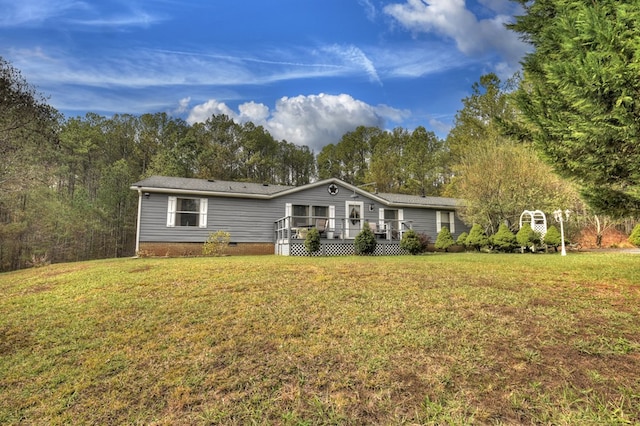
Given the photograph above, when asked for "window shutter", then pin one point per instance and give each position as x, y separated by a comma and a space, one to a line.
171, 212
204, 207
452, 222
381, 218
288, 208
438, 221
332, 218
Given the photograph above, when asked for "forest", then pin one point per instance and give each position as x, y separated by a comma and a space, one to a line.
563, 135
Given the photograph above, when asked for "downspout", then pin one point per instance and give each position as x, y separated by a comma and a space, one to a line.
138, 220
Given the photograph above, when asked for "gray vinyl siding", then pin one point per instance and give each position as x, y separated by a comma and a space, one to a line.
248, 220
424, 221
251, 220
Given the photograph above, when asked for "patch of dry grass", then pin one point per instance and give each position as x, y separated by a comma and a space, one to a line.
438, 339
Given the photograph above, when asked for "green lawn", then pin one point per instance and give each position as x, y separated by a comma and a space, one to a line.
435, 339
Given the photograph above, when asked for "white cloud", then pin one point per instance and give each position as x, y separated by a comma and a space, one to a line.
451, 19
254, 112
314, 120
318, 120
29, 12
200, 113
355, 56
369, 9
183, 105
71, 12
439, 127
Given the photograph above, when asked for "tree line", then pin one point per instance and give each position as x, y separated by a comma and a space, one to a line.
64, 183
563, 134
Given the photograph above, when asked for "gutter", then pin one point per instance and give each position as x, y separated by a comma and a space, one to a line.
138, 220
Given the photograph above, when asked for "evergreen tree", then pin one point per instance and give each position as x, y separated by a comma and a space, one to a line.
312, 240
527, 237
365, 242
552, 237
579, 95
477, 238
444, 240
411, 242
504, 239
634, 238
462, 239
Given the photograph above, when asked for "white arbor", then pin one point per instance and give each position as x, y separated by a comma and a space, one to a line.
536, 219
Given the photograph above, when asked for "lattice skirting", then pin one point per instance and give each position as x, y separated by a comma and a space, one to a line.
338, 249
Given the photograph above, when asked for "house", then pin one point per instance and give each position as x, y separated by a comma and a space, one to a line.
176, 216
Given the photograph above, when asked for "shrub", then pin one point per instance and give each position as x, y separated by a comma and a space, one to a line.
312, 240
552, 237
634, 238
504, 239
216, 243
444, 239
424, 241
365, 242
527, 237
462, 239
477, 238
411, 242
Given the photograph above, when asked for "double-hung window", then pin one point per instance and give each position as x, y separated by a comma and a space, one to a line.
191, 212
304, 215
447, 219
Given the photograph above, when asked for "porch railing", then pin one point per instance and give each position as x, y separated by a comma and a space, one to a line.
296, 228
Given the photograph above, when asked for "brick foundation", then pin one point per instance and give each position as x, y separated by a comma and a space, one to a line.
195, 249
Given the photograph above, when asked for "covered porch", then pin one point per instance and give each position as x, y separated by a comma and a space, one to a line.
337, 235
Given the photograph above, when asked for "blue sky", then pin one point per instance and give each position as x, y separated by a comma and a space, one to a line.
307, 70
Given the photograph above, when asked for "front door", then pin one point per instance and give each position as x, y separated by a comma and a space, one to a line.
353, 221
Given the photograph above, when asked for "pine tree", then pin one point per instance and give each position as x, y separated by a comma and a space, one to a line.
477, 238
504, 239
365, 241
444, 240
579, 95
634, 238
552, 237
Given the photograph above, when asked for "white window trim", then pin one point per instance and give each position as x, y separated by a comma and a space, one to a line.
204, 207
450, 221
172, 210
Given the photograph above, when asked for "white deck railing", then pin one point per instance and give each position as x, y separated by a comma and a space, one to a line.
297, 227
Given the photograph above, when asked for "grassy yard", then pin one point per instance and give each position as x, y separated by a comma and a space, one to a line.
436, 339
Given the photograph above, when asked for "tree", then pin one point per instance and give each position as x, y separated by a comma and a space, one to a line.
477, 238
28, 132
444, 240
579, 94
424, 158
504, 239
462, 239
634, 238
527, 237
411, 242
552, 237
365, 241
28, 153
386, 168
312, 241
497, 176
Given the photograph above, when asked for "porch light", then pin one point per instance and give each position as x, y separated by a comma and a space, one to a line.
559, 217
147, 195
